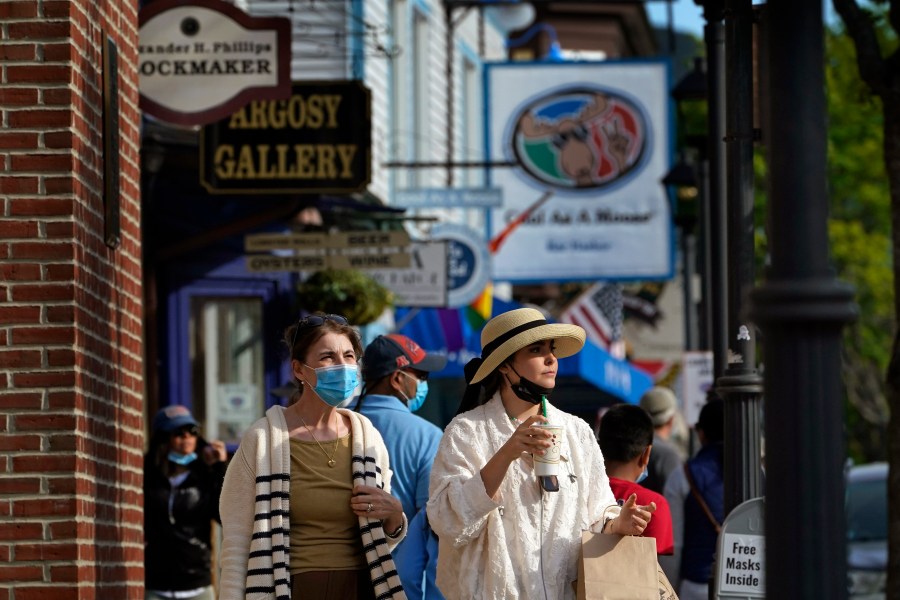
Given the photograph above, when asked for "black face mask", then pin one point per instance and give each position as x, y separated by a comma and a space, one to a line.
528, 390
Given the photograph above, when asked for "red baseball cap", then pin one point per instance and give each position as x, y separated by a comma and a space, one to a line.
392, 352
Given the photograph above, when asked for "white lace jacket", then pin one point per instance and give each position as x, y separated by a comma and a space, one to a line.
530, 540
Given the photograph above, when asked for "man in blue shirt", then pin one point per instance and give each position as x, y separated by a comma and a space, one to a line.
395, 383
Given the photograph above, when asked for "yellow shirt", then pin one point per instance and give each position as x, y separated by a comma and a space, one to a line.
324, 531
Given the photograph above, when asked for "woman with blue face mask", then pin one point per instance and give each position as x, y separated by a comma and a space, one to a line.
306, 506
182, 481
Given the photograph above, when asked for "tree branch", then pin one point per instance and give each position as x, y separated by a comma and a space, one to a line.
868, 53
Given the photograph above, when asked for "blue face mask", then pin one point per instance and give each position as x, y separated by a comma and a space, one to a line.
643, 475
335, 383
182, 459
418, 400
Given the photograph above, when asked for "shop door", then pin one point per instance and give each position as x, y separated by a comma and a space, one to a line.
221, 360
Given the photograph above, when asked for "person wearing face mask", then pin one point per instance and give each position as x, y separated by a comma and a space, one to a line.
504, 532
182, 482
626, 438
395, 384
306, 507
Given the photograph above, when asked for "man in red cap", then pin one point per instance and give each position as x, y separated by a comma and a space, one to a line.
395, 375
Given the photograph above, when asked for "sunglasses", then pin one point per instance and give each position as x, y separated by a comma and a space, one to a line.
183, 431
313, 321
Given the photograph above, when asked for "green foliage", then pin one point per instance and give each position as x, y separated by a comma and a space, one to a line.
860, 237
352, 294
858, 185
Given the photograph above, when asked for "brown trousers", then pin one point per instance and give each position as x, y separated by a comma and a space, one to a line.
333, 585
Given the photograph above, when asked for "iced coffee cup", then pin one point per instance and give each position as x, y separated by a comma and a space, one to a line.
548, 463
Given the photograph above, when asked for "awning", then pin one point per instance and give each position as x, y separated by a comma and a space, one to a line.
448, 331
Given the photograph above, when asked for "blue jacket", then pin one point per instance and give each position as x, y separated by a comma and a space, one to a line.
699, 534
416, 554
412, 444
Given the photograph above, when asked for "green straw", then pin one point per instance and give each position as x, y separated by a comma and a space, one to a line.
544, 405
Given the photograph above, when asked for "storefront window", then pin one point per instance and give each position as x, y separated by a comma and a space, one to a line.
227, 362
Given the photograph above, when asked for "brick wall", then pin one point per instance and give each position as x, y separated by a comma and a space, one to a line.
71, 429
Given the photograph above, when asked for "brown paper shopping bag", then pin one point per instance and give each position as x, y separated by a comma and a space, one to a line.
616, 567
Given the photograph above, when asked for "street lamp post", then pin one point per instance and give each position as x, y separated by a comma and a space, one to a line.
801, 309
714, 38
682, 178
740, 386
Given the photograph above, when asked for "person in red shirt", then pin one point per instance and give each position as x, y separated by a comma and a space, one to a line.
626, 439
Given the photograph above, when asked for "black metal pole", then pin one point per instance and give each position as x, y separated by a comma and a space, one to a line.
448, 71
801, 309
705, 256
740, 385
713, 33
689, 261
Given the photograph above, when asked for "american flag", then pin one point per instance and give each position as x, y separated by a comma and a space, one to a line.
598, 310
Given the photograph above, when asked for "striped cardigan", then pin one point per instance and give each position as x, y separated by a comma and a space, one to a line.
255, 557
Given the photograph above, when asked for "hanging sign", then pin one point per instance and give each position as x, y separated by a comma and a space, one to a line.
596, 135
316, 141
201, 60
468, 262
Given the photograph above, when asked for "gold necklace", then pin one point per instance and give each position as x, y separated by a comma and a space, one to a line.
331, 461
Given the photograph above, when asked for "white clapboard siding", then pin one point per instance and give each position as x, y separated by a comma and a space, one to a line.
320, 39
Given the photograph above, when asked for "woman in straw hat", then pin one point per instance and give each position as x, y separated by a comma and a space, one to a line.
503, 533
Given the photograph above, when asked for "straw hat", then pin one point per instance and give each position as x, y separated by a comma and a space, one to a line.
505, 334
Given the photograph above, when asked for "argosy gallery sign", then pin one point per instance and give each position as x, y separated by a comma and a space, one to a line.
202, 60
318, 140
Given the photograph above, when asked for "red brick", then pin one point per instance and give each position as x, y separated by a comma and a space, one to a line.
19, 314
18, 140
20, 271
22, 52
18, 185
21, 531
41, 250
44, 507
57, 97
58, 52
38, 30
42, 293
58, 139
58, 9
27, 400
60, 358
24, 336
43, 464
21, 573
20, 485
17, 359
18, 96
44, 422
61, 443
59, 273
40, 207
11, 442
63, 530
28, 119
42, 162
18, 229
60, 314
60, 229
49, 593
59, 185
18, 10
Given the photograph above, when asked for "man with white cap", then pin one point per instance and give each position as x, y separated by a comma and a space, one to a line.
660, 402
